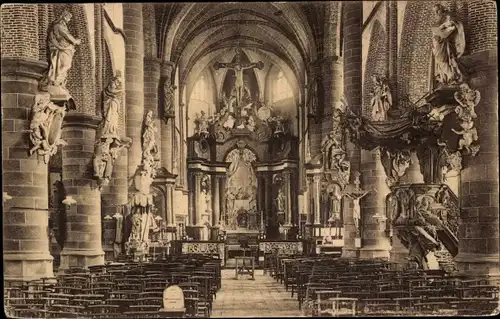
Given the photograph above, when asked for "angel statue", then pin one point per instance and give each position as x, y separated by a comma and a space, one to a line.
468, 100
469, 136
381, 100
448, 44
149, 146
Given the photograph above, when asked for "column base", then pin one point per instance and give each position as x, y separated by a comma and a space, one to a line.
350, 253
25, 267
478, 264
81, 258
371, 252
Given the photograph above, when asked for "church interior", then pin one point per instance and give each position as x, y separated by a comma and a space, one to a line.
250, 159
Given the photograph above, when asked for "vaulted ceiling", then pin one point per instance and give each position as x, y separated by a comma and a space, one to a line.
195, 35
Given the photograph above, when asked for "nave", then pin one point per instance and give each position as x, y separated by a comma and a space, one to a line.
263, 297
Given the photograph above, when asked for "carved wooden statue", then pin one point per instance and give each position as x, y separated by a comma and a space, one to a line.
356, 196
61, 46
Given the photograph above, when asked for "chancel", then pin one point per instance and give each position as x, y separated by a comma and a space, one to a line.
265, 159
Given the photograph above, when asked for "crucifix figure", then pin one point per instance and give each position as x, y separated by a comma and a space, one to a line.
238, 69
356, 195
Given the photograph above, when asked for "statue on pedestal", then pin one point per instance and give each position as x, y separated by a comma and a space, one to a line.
108, 143
168, 100
448, 44
280, 201
61, 45
142, 197
381, 100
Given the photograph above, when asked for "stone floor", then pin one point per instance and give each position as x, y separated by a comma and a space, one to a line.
262, 297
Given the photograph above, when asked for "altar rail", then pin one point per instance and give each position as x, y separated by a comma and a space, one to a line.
214, 248
281, 247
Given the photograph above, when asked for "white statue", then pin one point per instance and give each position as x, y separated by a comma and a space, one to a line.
469, 136
381, 100
112, 104
45, 126
149, 146
280, 201
201, 123
333, 154
228, 102
61, 45
356, 196
448, 44
468, 100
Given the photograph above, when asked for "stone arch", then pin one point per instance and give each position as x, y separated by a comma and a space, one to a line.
376, 62
414, 56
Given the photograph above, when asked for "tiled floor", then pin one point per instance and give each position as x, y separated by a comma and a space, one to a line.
262, 297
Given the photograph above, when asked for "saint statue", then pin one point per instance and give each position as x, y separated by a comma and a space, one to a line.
238, 67
228, 102
201, 123
149, 146
280, 201
448, 44
61, 45
381, 100
333, 154
168, 98
111, 106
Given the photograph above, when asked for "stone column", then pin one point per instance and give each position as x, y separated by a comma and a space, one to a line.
83, 244
392, 46
309, 209
197, 222
169, 196
134, 79
375, 243
223, 197
478, 248
25, 217
317, 200
352, 55
167, 128
288, 204
215, 200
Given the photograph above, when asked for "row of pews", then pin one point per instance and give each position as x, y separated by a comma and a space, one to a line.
329, 286
119, 290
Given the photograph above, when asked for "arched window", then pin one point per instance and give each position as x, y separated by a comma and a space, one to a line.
281, 89
200, 90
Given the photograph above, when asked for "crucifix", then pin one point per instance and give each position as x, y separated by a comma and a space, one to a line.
355, 195
238, 69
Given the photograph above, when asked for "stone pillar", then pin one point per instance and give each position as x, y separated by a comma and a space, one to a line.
223, 197
392, 46
478, 248
352, 55
375, 243
309, 209
288, 204
169, 196
317, 200
98, 45
197, 222
82, 247
215, 200
25, 217
134, 79
43, 26
167, 128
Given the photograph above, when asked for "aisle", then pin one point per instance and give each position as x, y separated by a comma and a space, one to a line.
262, 297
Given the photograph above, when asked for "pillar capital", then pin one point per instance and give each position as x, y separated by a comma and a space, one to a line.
167, 67
81, 120
24, 67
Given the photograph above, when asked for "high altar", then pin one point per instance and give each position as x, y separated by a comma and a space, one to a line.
242, 162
